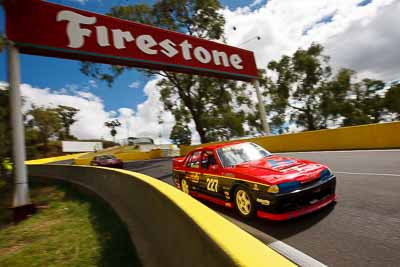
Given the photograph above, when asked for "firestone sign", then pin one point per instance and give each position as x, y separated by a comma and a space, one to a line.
44, 28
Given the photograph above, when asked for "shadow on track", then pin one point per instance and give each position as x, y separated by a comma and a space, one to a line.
277, 229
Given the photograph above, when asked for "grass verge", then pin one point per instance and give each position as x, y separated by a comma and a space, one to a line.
70, 229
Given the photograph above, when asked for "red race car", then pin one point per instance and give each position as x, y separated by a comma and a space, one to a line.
247, 177
107, 161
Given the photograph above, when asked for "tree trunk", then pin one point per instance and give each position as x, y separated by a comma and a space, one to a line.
310, 121
200, 130
46, 146
67, 131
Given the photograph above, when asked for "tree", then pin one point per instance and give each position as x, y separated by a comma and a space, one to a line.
300, 86
364, 103
112, 125
46, 122
3, 42
209, 102
5, 129
66, 115
181, 134
306, 87
392, 99
335, 95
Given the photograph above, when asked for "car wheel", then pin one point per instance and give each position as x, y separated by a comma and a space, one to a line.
185, 186
244, 203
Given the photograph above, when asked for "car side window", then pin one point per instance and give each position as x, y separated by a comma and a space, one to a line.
194, 160
207, 159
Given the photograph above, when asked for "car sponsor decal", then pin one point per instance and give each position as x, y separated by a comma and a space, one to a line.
193, 176
212, 185
255, 187
265, 202
279, 163
221, 177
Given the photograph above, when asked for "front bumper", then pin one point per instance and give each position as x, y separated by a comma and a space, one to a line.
297, 213
297, 203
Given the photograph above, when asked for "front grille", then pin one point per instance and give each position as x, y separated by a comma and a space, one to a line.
309, 183
303, 198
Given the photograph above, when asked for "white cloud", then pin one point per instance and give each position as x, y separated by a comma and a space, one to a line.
364, 38
134, 85
80, 1
92, 114
144, 123
90, 118
256, 3
93, 83
370, 46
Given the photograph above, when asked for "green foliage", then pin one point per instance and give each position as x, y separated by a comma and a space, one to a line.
300, 86
208, 102
41, 125
335, 92
198, 18
3, 42
181, 134
46, 122
365, 104
392, 100
112, 125
66, 115
306, 86
5, 130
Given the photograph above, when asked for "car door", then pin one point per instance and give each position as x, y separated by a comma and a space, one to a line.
192, 169
210, 174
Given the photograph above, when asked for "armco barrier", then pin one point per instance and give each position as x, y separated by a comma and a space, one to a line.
370, 136
168, 227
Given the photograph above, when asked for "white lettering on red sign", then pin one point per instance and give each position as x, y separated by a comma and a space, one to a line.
146, 43
74, 31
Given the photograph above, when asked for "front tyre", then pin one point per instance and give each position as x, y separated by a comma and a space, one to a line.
244, 203
185, 186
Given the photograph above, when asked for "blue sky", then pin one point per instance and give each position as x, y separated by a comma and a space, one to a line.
353, 33
57, 74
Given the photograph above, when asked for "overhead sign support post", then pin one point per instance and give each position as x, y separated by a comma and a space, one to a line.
261, 108
21, 202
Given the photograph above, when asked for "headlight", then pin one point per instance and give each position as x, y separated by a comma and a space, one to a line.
288, 186
325, 174
273, 189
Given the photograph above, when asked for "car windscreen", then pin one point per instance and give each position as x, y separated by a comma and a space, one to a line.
240, 153
106, 157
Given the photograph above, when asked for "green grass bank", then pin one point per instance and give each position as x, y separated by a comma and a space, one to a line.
71, 228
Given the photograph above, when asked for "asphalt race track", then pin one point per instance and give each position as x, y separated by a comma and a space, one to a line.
362, 229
